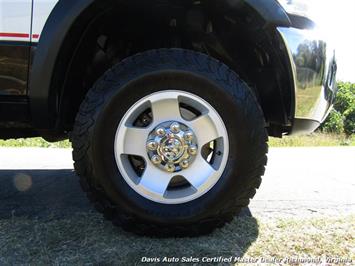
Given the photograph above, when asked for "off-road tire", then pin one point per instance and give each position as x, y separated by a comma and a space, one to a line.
92, 137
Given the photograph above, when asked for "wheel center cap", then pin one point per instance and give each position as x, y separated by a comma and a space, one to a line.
172, 146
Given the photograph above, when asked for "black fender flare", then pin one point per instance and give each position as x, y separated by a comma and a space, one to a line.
42, 97
271, 11
60, 21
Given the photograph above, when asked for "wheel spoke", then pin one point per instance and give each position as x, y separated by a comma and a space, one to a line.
165, 110
200, 173
133, 141
172, 139
155, 180
205, 129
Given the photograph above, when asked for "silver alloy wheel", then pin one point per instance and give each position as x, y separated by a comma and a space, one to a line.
192, 146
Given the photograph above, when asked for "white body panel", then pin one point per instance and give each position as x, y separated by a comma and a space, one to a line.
41, 11
15, 19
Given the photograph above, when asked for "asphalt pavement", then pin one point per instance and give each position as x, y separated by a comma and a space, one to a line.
298, 182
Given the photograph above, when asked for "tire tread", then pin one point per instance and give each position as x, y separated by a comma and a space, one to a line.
95, 99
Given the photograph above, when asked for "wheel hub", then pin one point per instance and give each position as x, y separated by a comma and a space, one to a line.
172, 146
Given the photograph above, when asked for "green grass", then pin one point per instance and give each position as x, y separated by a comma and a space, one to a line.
34, 142
87, 239
314, 140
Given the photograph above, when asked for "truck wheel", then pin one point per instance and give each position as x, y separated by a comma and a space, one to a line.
170, 142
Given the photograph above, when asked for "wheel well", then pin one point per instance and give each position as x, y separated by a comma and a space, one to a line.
105, 35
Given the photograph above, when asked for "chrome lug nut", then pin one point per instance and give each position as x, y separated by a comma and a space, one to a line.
152, 146
172, 146
160, 132
188, 135
193, 149
184, 164
175, 127
170, 168
156, 159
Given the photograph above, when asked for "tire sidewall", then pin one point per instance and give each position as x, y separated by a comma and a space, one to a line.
239, 118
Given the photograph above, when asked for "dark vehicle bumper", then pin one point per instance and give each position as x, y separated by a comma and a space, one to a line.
314, 77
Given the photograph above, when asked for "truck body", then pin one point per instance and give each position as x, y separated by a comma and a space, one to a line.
54, 52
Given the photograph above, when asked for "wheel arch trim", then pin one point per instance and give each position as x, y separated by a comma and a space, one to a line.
271, 11
43, 100
54, 33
